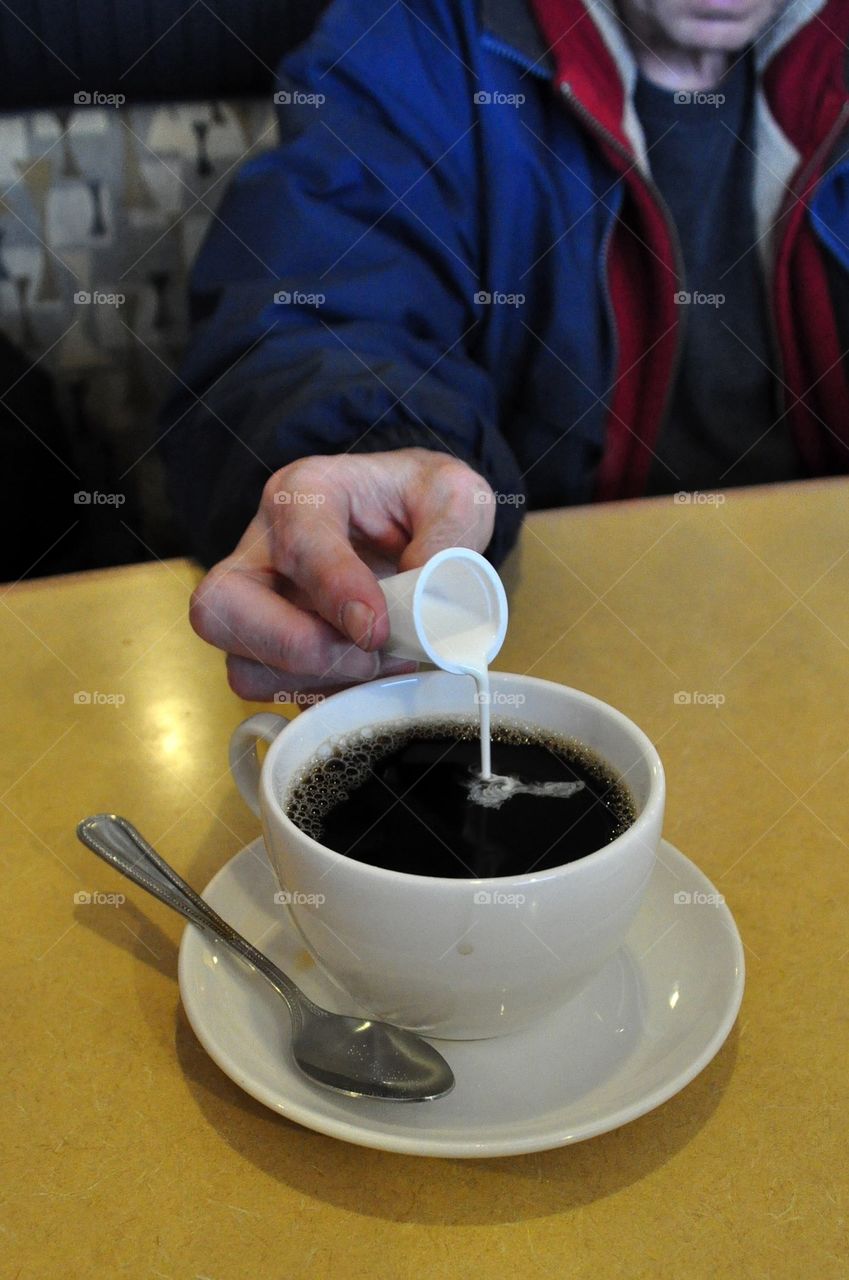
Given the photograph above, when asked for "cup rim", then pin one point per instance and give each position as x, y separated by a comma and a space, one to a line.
645, 819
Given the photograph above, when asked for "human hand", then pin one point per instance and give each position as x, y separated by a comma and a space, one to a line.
296, 607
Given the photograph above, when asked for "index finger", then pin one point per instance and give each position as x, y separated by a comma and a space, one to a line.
311, 545
238, 610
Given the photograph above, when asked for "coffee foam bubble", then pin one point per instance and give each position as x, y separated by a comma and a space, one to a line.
343, 764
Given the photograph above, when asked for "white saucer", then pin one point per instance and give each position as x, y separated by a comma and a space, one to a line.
650, 1021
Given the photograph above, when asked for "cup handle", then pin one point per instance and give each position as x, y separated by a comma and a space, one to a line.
244, 762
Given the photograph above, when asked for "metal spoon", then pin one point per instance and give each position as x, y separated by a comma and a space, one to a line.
354, 1056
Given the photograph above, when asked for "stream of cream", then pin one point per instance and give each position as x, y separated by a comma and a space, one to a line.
463, 641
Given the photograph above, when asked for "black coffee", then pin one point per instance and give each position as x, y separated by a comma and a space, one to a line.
402, 798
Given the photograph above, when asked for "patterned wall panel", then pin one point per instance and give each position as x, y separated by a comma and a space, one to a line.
102, 209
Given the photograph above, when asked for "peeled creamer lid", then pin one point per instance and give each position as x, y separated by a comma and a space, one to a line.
451, 612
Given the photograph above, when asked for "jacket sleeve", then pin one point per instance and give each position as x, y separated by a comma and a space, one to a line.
334, 299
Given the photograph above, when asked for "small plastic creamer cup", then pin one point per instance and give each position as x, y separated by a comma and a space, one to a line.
428, 608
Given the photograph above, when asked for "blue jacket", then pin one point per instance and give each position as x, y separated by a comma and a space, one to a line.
439, 229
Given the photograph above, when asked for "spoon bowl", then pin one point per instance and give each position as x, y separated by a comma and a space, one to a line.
351, 1055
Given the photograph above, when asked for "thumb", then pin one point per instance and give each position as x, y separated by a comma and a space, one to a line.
452, 506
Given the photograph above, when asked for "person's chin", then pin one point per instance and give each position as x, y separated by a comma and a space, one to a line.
727, 33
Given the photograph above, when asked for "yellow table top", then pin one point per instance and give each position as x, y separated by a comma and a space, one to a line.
128, 1153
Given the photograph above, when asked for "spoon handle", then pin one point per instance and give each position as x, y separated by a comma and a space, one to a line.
117, 842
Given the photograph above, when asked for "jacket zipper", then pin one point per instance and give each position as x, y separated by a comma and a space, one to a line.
513, 55
608, 301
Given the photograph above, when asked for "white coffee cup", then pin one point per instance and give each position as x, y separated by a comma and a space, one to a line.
461, 959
